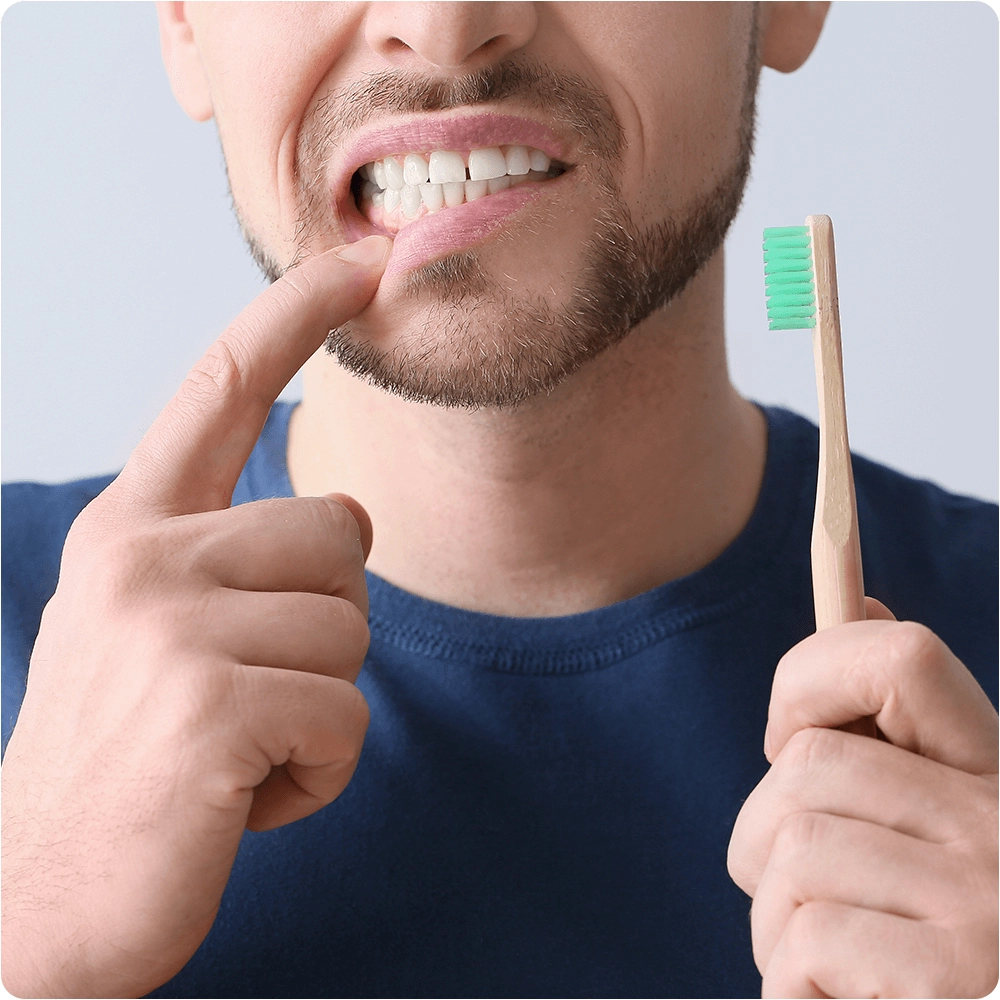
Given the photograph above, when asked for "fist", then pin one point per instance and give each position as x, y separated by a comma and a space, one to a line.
872, 863
193, 674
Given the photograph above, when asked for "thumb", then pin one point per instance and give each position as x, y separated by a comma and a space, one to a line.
876, 611
360, 515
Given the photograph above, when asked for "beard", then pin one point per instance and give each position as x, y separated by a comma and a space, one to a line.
479, 345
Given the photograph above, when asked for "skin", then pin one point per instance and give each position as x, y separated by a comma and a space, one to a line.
872, 863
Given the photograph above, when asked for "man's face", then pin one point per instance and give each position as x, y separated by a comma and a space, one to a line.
642, 114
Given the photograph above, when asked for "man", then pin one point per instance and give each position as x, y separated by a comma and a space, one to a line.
588, 555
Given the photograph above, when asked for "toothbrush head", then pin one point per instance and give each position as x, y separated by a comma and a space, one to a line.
788, 278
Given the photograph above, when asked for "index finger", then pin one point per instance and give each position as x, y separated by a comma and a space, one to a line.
191, 457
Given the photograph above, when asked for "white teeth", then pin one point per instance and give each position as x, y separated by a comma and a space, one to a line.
393, 172
410, 199
446, 167
432, 196
407, 181
485, 164
474, 190
454, 193
415, 169
518, 160
538, 160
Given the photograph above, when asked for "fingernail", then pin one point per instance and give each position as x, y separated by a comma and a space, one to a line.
767, 742
369, 252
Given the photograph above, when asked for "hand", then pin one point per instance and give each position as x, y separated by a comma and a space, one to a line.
873, 862
193, 673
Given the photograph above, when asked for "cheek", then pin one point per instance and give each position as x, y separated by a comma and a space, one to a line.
266, 64
679, 94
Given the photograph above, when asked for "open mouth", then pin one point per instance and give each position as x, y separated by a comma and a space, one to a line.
400, 189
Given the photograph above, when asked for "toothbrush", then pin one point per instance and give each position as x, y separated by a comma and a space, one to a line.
800, 275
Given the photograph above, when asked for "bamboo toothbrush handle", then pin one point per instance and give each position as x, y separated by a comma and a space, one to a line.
838, 585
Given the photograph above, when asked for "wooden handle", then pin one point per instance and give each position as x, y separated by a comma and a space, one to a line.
838, 584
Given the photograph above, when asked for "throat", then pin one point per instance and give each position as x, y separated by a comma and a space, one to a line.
632, 473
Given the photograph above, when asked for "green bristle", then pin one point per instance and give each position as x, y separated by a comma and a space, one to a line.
792, 324
774, 266
787, 231
791, 300
788, 253
779, 242
789, 286
789, 312
788, 278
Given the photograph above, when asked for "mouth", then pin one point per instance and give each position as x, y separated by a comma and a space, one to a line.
437, 185
402, 188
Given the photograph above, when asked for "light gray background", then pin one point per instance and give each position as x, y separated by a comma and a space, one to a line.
121, 260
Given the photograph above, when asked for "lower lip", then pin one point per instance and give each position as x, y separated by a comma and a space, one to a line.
452, 229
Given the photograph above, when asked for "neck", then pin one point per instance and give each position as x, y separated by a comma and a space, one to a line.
640, 468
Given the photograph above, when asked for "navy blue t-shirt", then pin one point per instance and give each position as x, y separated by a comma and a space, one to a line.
542, 807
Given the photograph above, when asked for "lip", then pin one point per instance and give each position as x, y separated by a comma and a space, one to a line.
453, 228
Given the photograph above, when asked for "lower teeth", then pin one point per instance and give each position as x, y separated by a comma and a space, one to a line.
398, 206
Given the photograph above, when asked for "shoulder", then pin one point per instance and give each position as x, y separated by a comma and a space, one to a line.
35, 520
933, 555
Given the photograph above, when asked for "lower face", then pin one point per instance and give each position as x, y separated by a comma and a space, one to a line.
532, 230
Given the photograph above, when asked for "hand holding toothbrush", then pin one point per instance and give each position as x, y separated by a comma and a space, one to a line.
872, 863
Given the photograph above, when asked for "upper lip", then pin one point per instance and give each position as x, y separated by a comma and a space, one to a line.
430, 132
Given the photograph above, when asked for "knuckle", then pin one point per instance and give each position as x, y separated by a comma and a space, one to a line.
225, 373
354, 629
296, 290
354, 717
217, 373
100, 520
360, 716
807, 751
798, 835
337, 517
82, 539
806, 929
198, 697
986, 816
129, 567
123, 566
910, 646
331, 517
337, 529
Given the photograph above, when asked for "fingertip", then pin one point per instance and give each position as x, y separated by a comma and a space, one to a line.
361, 516
877, 611
371, 252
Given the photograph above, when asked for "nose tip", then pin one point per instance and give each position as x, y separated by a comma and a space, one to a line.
450, 38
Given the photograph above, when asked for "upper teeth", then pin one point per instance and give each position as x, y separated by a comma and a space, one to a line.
447, 177
445, 166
